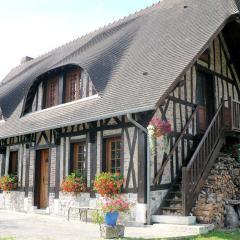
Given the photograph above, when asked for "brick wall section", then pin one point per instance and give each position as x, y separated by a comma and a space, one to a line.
31, 168
53, 167
24, 166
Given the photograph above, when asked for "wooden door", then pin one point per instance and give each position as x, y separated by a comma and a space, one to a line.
205, 97
43, 179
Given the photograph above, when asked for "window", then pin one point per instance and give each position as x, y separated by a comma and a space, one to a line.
51, 91
73, 82
78, 160
113, 155
13, 163
58, 86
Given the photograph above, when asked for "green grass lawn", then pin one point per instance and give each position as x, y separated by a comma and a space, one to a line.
215, 235
218, 235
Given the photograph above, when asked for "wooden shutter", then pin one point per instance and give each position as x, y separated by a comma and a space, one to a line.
73, 79
52, 92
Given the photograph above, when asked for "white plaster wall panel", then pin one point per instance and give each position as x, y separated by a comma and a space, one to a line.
217, 56
98, 151
20, 159
7, 160
40, 96
61, 159
88, 165
127, 156
224, 64
67, 156
80, 137
112, 132
211, 57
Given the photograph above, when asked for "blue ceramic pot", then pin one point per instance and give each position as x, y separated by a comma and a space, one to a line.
111, 218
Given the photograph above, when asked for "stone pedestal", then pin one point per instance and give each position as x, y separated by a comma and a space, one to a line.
109, 232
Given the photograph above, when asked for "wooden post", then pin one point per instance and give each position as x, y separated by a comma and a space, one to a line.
92, 144
142, 166
184, 190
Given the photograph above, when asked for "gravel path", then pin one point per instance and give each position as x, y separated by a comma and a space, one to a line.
43, 227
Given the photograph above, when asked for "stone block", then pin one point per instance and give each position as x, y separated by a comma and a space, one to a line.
109, 232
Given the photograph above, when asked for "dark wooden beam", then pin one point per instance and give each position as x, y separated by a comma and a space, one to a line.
142, 165
92, 144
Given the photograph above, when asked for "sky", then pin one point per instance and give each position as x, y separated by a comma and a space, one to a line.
33, 27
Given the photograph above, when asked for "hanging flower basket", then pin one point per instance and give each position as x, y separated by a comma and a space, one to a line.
158, 128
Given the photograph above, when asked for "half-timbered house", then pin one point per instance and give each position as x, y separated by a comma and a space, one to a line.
85, 107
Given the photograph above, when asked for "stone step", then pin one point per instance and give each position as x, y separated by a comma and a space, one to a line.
41, 211
171, 208
196, 229
173, 200
169, 219
175, 192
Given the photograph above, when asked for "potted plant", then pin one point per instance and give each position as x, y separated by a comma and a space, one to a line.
74, 183
8, 183
108, 184
158, 128
111, 208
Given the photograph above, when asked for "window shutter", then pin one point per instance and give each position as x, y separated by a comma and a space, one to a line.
73, 79
52, 92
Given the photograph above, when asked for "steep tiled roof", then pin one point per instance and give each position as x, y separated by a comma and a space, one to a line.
162, 40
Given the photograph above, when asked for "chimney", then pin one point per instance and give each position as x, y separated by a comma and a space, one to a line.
26, 59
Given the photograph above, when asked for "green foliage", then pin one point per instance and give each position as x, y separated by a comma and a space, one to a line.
218, 235
97, 217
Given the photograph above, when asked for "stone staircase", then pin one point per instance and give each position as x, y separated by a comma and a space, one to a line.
172, 203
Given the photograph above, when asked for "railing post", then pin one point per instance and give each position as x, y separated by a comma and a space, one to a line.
230, 106
184, 190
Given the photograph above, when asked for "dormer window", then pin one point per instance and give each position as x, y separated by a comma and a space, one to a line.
58, 86
73, 85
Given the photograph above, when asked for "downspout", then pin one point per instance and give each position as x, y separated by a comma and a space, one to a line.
129, 117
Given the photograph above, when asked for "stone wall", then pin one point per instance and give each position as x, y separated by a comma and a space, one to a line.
12, 200
60, 206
